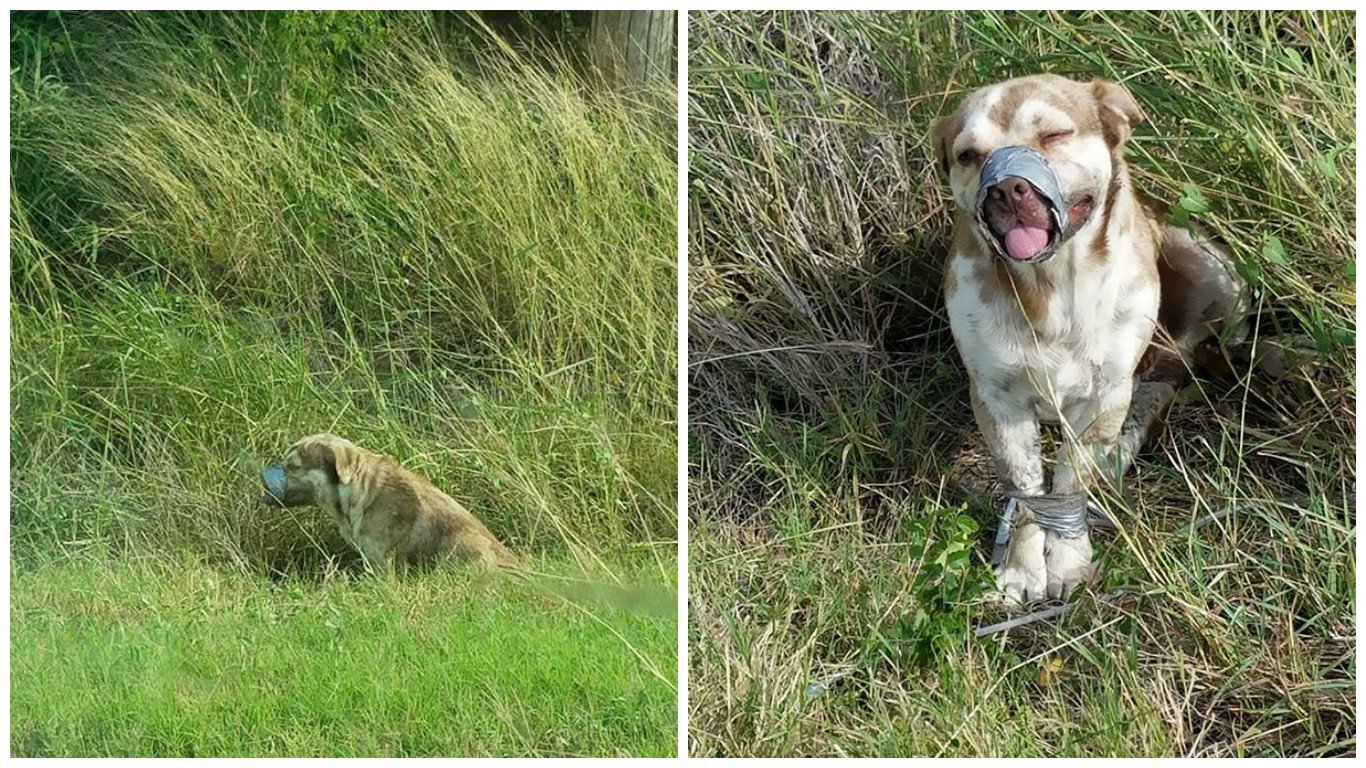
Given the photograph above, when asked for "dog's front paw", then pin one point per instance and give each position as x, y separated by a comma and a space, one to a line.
1068, 563
1023, 576
1021, 585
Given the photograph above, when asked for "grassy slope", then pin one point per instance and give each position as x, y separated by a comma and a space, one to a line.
230, 232
840, 497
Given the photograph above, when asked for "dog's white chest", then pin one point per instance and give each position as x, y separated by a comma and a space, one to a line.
1086, 339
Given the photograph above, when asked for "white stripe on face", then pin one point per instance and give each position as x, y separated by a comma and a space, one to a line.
979, 132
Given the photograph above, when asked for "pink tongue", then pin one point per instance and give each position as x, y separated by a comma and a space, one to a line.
1025, 242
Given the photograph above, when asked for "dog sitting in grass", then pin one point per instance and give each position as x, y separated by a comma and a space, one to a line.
390, 515
1070, 301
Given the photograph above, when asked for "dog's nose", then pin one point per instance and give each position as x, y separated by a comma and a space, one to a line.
1011, 188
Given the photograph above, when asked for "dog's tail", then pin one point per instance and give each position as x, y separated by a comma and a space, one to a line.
513, 570
500, 561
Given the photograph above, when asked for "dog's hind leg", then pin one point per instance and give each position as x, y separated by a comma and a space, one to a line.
1147, 411
1204, 304
1204, 308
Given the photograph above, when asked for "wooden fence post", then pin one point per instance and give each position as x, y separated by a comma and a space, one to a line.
635, 47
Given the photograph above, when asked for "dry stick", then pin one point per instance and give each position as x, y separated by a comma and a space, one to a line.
1206, 520
1040, 615
1028, 618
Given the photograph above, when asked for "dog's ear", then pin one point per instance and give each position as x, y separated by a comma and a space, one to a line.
335, 458
346, 460
939, 138
1119, 113
940, 145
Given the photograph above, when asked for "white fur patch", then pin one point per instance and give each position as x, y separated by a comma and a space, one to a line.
1036, 115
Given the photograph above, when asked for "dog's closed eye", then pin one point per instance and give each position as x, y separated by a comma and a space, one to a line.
1053, 137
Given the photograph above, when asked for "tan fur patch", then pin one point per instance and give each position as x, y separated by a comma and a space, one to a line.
1031, 296
1071, 98
1012, 96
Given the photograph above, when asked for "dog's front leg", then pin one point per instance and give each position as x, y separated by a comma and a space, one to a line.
377, 557
1091, 432
1012, 434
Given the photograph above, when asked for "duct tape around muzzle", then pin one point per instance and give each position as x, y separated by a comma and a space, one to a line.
1063, 514
275, 480
1024, 163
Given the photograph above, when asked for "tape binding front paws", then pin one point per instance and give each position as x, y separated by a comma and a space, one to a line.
1063, 514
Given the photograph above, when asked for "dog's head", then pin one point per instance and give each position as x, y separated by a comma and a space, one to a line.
1063, 143
313, 471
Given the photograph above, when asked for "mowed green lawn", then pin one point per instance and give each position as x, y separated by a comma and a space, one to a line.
139, 657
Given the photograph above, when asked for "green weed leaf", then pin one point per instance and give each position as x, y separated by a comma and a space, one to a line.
1273, 250
1192, 201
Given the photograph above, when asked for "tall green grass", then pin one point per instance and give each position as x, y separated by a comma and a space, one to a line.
841, 500
213, 254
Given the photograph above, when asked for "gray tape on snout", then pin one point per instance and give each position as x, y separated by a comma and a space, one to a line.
1024, 163
273, 477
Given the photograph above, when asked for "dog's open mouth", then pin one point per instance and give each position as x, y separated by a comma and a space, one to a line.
1024, 240
1020, 205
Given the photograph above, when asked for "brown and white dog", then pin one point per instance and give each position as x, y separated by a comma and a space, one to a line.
1052, 319
390, 515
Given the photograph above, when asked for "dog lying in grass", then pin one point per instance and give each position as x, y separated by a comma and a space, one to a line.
1071, 302
390, 515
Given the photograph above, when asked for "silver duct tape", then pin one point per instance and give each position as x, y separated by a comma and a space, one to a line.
1024, 163
1063, 514
998, 549
274, 478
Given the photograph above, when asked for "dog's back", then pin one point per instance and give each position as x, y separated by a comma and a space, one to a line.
425, 525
